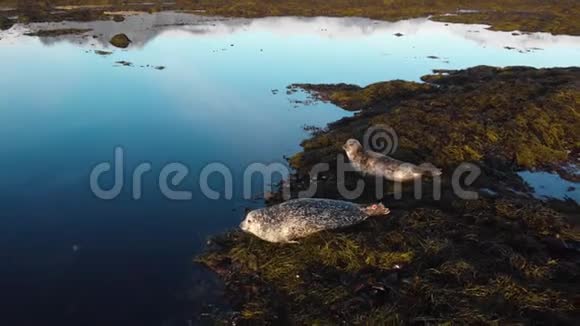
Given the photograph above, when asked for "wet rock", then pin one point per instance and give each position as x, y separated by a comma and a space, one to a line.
160, 67
5, 23
432, 57
120, 40
399, 34
118, 18
101, 52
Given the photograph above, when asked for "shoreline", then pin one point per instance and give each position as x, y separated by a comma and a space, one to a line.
519, 16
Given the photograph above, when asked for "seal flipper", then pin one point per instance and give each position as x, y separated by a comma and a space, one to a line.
430, 169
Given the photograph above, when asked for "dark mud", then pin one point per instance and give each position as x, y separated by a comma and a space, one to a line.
503, 258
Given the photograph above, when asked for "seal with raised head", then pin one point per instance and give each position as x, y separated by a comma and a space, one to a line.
299, 218
377, 164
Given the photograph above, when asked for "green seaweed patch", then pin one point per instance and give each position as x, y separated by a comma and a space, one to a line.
520, 116
355, 98
480, 261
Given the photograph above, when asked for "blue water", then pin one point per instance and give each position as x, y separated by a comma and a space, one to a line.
551, 186
79, 259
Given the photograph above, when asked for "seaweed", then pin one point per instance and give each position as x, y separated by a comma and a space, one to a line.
485, 261
497, 260
515, 116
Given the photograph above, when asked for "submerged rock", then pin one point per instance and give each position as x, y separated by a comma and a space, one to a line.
120, 40
124, 63
58, 32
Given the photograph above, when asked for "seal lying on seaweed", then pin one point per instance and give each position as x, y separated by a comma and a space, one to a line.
377, 164
299, 218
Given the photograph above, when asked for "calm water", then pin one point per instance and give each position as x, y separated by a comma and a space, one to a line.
64, 109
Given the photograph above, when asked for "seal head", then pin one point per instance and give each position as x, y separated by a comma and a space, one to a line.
353, 148
257, 223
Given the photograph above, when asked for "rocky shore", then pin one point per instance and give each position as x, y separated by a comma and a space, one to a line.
503, 258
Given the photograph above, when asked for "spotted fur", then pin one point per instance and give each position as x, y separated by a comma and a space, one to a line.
299, 218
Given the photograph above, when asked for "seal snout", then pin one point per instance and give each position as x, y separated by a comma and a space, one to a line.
247, 222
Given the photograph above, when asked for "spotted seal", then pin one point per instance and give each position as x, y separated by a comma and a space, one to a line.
299, 218
377, 164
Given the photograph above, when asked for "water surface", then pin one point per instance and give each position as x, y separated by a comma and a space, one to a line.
221, 98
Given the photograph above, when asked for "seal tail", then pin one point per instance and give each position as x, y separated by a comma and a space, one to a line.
428, 168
